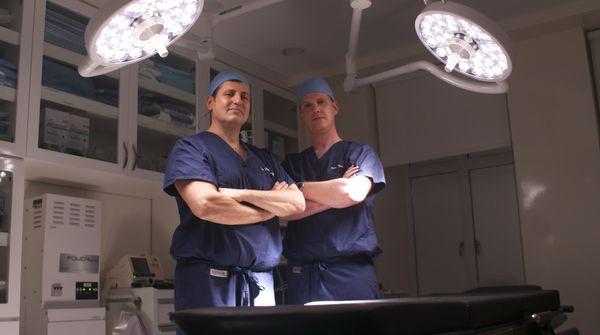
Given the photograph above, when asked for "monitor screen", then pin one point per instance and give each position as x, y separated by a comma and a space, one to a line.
140, 265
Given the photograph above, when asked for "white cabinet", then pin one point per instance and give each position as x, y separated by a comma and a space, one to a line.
466, 225
151, 305
12, 186
161, 111
120, 125
15, 57
73, 120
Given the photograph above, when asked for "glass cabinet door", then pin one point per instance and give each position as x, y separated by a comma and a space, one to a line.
10, 84
280, 122
11, 230
77, 116
166, 108
6, 179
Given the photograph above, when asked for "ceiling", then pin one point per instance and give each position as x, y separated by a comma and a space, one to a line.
321, 28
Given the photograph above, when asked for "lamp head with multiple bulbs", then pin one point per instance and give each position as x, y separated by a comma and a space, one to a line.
465, 40
125, 31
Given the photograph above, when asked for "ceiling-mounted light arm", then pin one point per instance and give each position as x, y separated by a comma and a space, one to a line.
465, 84
466, 49
357, 7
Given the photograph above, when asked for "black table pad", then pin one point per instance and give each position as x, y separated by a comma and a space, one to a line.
421, 315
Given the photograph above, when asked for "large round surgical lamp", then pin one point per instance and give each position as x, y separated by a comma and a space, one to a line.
463, 39
127, 31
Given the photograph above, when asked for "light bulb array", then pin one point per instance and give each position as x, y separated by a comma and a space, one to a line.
463, 45
120, 41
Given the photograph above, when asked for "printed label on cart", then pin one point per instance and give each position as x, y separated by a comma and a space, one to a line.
79, 263
219, 273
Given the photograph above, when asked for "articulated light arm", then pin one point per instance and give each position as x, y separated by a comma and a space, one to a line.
352, 82
467, 44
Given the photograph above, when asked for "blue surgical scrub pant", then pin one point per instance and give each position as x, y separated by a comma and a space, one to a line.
349, 279
197, 286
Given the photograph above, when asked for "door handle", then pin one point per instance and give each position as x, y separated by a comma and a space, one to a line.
126, 155
135, 157
477, 247
461, 248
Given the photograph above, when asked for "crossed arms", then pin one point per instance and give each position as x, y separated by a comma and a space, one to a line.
342, 192
239, 206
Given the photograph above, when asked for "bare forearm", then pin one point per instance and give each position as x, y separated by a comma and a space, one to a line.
279, 202
338, 193
207, 203
230, 212
312, 208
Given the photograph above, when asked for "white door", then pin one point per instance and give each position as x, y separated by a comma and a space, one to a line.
439, 217
496, 226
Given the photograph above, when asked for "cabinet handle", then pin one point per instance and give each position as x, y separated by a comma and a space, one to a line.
135, 157
477, 247
461, 248
126, 155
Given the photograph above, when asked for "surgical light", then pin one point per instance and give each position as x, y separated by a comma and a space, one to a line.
126, 31
463, 39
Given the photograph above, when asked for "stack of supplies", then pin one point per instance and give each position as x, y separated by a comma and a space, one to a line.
65, 78
182, 80
8, 73
157, 106
5, 122
64, 31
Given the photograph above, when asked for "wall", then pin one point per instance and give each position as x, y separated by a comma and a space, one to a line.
557, 161
125, 226
165, 219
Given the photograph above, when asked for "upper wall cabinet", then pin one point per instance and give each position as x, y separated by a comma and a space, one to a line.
163, 111
15, 53
422, 118
73, 120
124, 122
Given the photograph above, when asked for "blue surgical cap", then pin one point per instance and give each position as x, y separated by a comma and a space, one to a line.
313, 85
222, 77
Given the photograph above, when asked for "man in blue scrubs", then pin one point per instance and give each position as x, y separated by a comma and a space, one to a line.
229, 195
330, 246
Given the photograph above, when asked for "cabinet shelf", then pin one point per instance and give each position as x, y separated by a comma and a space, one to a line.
9, 36
69, 57
90, 106
280, 129
7, 93
167, 90
163, 126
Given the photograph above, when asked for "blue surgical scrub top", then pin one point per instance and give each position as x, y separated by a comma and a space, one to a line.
207, 157
337, 232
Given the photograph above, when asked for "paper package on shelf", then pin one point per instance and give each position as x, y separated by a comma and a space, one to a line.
56, 129
79, 135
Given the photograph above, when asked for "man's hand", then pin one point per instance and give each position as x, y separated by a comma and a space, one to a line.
351, 172
280, 186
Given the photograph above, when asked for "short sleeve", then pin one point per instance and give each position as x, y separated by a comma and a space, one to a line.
370, 166
187, 161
